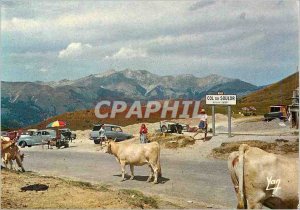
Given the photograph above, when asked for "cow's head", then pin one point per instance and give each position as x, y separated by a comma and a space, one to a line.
108, 146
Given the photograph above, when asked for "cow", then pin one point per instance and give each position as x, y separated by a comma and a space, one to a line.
262, 178
9, 152
131, 154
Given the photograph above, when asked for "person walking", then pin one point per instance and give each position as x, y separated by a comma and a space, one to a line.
143, 134
202, 127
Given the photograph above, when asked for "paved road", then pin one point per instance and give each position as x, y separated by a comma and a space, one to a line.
202, 180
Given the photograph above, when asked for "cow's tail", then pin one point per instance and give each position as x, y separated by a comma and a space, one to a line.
241, 192
236, 168
159, 174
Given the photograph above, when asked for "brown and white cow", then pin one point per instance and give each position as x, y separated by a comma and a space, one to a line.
131, 154
10, 152
262, 178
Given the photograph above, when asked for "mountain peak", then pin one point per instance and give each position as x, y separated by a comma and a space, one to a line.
106, 73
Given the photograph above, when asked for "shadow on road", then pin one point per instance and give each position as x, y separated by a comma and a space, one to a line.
161, 180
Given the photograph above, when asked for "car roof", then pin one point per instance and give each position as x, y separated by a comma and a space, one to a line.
111, 125
46, 130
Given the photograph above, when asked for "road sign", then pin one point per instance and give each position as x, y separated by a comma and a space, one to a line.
220, 100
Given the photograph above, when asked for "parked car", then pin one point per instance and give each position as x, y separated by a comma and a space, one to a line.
68, 133
36, 138
111, 131
278, 111
172, 127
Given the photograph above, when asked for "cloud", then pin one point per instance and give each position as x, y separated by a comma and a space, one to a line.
201, 4
112, 34
74, 50
20, 24
125, 53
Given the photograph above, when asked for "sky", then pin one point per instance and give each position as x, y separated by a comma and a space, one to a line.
256, 41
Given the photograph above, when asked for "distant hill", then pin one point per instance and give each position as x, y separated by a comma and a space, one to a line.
27, 103
274, 94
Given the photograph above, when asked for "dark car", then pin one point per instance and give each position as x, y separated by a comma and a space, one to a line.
277, 111
68, 133
111, 131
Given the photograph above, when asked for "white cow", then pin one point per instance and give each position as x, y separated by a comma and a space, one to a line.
131, 154
262, 178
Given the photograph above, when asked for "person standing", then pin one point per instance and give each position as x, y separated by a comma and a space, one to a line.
202, 127
102, 134
143, 134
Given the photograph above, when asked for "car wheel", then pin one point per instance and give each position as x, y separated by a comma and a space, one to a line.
97, 141
23, 144
164, 129
179, 129
29, 145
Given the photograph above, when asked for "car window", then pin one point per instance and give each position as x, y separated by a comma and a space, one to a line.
96, 128
38, 133
275, 109
117, 129
107, 128
45, 133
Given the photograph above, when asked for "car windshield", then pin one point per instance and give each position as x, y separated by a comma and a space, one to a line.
96, 127
275, 109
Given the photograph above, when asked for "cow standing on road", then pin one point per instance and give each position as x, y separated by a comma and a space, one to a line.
262, 178
136, 155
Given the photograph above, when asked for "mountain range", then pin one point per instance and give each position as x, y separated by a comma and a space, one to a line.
25, 103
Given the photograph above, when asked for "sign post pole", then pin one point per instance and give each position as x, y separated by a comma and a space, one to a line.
213, 119
222, 100
229, 121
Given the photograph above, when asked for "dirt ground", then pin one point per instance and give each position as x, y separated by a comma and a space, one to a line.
28, 190
171, 141
280, 146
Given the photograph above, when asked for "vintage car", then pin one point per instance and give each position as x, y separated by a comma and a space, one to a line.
111, 131
277, 111
172, 127
37, 138
68, 133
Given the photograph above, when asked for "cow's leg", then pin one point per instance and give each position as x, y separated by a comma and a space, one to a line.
151, 173
123, 170
11, 165
19, 162
132, 171
255, 199
155, 168
4, 160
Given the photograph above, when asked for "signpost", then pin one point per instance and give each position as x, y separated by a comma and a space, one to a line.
224, 100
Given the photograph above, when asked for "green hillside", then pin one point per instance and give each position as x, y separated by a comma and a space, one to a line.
277, 93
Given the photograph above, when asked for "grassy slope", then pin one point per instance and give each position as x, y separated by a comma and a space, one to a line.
277, 93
